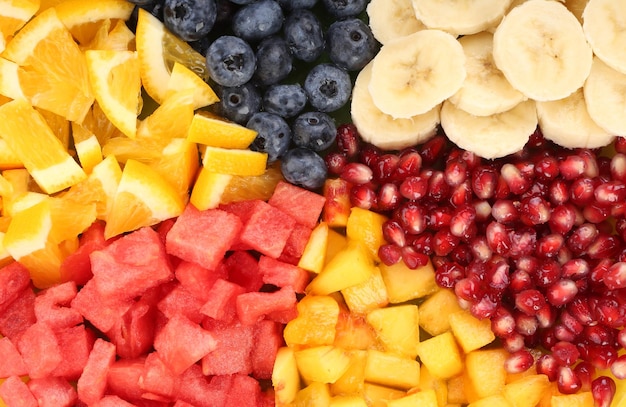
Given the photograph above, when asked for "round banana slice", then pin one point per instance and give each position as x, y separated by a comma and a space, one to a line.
603, 24
567, 123
492, 136
390, 19
576, 7
461, 17
383, 130
605, 96
542, 50
413, 74
486, 90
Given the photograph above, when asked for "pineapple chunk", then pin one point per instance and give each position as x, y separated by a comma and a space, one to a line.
353, 380
527, 391
314, 254
366, 227
397, 328
485, 370
336, 243
470, 332
404, 284
324, 364
428, 381
316, 322
376, 395
351, 266
456, 390
353, 332
435, 311
582, 399
314, 395
368, 295
391, 370
285, 376
491, 401
424, 398
347, 401
441, 355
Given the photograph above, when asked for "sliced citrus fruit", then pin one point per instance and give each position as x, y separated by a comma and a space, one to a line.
178, 164
234, 161
170, 120
14, 14
143, 198
158, 50
59, 125
87, 147
83, 18
28, 135
116, 84
214, 131
99, 124
183, 78
23, 201
6, 189
257, 187
208, 189
9, 80
119, 38
46, 4
53, 72
70, 218
8, 159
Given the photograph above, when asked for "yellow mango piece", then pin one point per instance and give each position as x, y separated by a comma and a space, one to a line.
314, 395
470, 332
315, 323
368, 295
391, 370
491, 401
324, 364
436, 309
376, 395
366, 226
314, 254
347, 401
353, 380
527, 391
456, 387
336, 242
485, 370
404, 284
424, 398
428, 381
353, 332
397, 328
285, 376
582, 399
441, 355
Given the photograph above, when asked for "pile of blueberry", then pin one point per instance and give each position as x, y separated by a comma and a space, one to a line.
284, 68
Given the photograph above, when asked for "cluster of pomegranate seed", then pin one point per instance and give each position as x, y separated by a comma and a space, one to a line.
536, 242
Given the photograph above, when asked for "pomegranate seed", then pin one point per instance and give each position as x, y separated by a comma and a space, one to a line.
599, 335
412, 218
620, 144
575, 269
461, 194
592, 168
558, 192
484, 182
536, 139
502, 322
546, 316
526, 325
444, 242
610, 193
603, 389
570, 322
585, 373
409, 164
547, 168
615, 277
471, 159
561, 333
369, 154
483, 210
394, 233
480, 248
440, 218
579, 308
363, 196
390, 254
513, 342
529, 301
462, 218
595, 213
549, 245
498, 238
357, 173
599, 356
388, 197
562, 219
547, 364
618, 167
534, 211
414, 259
565, 353
455, 172
462, 254
336, 162
572, 167
433, 149
423, 243
548, 273
561, 292
505, 211
582, 237
567, 382
519, 361
498, 276
384, 167
582, 191
520, 281
608, 312
348, 140
517, 182
484, 308
621, 338
448, 274
438, 188
548, 338
414, 188
604, 246
502, 190
599, 270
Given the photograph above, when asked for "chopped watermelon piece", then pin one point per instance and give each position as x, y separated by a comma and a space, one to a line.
197, 279
75, 345
77, 267
203, 237
245, 391
242, 209
131, 265
53, 392
283, 316
123, 378
40, 349
93, 381
19, 315
11, 362
133, 334
180, 403
52, 306
301, 204
14, 279
102, 311
232, 354
243, 270
113, 401
221, 303
181, 343
252, 307
283, 274
268, 339
199, 390
179, 301
299, 237
268, 398
14, 392
157, 380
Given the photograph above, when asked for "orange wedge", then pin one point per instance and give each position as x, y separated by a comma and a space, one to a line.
53, 72
84, 18
143, 198
87, 147
116, 83
99, 124
257, 187
59, 126
8, 159
14, 14
208, 189
119, 38
178, 164
214, 131
158, 51
183, 78
10, 80
234, 161
28, 135
170, 120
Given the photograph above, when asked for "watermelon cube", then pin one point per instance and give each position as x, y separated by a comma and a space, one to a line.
243, 270
283, 274
203, 237
295, 245
245, 391
283, 316
182, 342
93, 381
14, 392
180, 403
252, 307
301, 204
197, 279
11, 362
157, 381
268, 338
232, 353
123, 378
14, 279
113, 401
40, 349
221, 303
75, 345
53, 392
52, 306
179, 301
199, 390
18, 315
131, 265
102, 311
133, 334
77, 267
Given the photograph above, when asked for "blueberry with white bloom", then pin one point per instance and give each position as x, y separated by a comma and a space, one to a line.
328, 87
189, 19
273, 134
230, 61
314, 130
303, 32
304, 167
285, 100
273, 61
345, 8
258, 20
351, 44
239, 103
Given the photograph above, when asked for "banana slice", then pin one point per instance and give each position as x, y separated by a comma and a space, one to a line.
604, 25
391, 19
486, 90
542, 50
383, 130
461, 17
605, 96
567, 123
413, 74
492, 136
576, 7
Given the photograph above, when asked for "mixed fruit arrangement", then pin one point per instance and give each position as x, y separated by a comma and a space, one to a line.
292, 202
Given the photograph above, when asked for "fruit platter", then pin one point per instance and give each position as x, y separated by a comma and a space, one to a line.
329, 203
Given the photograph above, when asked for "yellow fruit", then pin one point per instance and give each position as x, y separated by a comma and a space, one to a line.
582, 399
59, 126
397, 328
314, 395
183, 78
353, 380
485, 370
314, 253
436, 309
378, 396
491, 401
441, 355
285, 376
87, 147
368, 295
527, 391
315, 324
347, 401
234, 161
9, 80
169, 120
366, 226
214, 131
14, 14
428, 381
353, 332
83, 18
253, 187
322, 364
391, 370
470, 332
404, 284
424, 398
208, 189
118, 38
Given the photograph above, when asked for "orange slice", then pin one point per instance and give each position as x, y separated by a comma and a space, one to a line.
234, 161
53, 72
257, 187
8, 159
59, 126
99, 124
84, 18
208, 189
143, 198
214, 131
87, 147
120, 38
178, 164
14, 14
116, 83
183, 78
170, 120
28, 135
158, 51
9, 80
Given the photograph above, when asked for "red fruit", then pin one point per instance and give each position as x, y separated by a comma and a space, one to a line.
519, 361
567, 381
603, 390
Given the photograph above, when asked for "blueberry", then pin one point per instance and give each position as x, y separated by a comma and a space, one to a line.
327, 87
189, 19
258, 20
295, 4
273, 61
239, 103
304, 167
273, 134
230, 61
351, 44
285, 100
303, 32
314, 130
345, 8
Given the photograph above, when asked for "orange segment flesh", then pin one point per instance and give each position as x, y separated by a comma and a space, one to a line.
183, 78
212, 130
178, 164
14, 14
83, 18
118, 38
234, 162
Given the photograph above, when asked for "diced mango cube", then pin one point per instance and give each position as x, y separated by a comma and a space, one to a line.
456, 390
428, 381
353, 332
368, 295
492, 401
347, 401
314, 255
285, 376
376, 395
391, 370
404, 284
485, 370
314, 395
366, 227
435, 311
397, 328
424, 398
353, 380
441, 355
336, 242
582, 399
470, 332
324, 364
316, 322
527, 391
